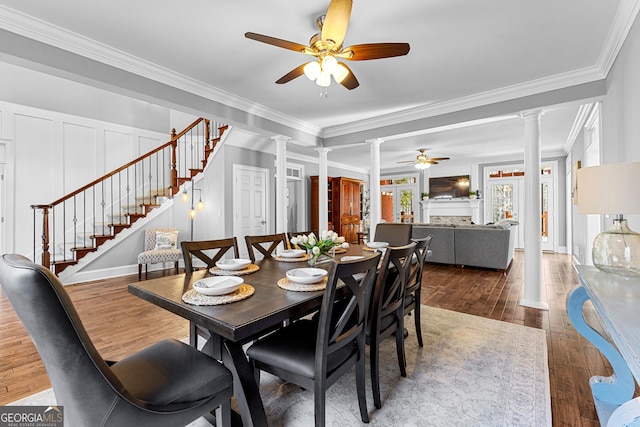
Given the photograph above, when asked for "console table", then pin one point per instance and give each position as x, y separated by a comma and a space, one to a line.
617, 302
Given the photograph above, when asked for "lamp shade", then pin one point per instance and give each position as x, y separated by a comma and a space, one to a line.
609, 189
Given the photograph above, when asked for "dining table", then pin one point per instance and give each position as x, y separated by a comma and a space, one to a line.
231, 325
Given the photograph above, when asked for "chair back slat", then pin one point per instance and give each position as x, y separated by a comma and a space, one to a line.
257, 243
203, 248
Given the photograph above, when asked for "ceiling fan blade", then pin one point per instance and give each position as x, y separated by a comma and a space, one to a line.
336, 21
364, 52
439, 158
350, 81
409, 161
296, 72
297, 47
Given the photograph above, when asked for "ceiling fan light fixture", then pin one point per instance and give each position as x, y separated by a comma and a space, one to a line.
312, 70
423, 165
340, 73
329, 64
324, 79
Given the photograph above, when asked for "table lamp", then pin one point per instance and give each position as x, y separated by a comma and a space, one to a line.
611, 189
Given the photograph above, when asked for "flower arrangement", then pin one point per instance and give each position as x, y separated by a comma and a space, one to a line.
317, 246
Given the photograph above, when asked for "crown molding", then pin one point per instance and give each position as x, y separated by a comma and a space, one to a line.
47, 33
622, 22
508, 93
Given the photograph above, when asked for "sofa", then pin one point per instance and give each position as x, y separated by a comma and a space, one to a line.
487, 246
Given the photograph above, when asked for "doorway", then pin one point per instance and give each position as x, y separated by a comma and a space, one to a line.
250, 209
399, 200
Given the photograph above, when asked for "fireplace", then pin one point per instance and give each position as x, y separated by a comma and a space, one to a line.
446, 210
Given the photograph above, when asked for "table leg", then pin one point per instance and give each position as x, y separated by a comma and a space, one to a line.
618, 388
244, 385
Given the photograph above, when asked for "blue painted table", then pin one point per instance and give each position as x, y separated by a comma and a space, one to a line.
617, 302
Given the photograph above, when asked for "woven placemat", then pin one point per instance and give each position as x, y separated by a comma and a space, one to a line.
290, 285
196, 298
304, 257
367, 248
216, 271
338, 250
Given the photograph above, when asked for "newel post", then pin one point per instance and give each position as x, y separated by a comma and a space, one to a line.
174, 162
46, 255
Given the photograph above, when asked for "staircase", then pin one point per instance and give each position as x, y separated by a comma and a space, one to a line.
83, 220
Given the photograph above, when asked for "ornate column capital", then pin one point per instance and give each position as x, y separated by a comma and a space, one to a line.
281, 138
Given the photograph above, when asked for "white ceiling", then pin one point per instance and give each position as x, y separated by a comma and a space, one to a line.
465, 54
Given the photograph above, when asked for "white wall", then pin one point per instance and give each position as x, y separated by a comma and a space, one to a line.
49, 154
621, 110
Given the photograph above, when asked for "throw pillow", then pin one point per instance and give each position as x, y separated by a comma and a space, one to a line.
166, 240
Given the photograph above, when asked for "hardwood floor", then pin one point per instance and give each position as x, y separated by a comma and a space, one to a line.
120, 323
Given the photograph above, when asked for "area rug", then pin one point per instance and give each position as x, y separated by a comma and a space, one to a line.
471, 371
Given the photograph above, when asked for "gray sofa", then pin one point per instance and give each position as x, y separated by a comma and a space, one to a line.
487, 246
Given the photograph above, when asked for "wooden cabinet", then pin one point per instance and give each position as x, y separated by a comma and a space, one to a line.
344, 206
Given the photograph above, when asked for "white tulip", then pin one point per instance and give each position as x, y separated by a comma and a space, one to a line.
315, 250
312, 240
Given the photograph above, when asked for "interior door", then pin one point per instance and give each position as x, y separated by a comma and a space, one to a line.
547, 215
399, 202
505, 203
249, 204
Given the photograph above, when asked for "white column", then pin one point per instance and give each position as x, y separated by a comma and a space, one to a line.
532, 208
281, 182
375, 204
323, 178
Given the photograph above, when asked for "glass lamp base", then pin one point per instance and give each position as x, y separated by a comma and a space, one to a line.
617, 250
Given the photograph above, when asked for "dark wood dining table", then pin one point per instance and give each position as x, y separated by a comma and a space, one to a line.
234, 324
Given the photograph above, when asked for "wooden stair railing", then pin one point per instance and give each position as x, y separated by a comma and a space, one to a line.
81, 221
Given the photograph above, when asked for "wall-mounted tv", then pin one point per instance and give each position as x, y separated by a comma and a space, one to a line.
449, 187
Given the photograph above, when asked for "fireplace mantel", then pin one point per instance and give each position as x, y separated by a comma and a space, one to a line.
451, 207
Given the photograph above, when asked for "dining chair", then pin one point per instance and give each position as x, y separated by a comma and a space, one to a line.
160, 245
166, 384
207, 251
413, 291
394, 233
202, 250
386, 314
257, 243
315, 354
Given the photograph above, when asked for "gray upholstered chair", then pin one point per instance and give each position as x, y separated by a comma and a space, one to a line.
394, 233
166, 384
159, 246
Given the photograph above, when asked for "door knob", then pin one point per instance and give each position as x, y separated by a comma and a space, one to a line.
263, 222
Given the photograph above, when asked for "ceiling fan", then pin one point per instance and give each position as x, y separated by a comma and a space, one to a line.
423, 161
326, 46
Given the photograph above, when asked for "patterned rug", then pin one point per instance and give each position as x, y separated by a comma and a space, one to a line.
471, 372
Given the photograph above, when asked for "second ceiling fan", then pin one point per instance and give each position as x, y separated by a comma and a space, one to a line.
327, 47
423, 161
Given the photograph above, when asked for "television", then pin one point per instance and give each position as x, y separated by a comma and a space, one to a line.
449, 187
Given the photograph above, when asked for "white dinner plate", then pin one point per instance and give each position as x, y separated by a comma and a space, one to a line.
219, 285
292, 253
306, 276
351, 257
377, 245
233, 264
